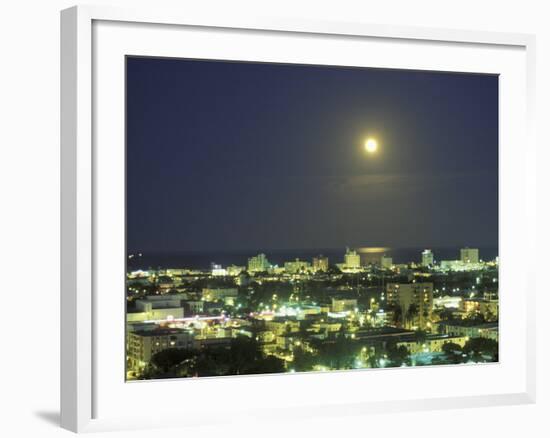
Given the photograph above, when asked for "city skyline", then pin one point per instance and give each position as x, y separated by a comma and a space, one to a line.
204, 259
364, 312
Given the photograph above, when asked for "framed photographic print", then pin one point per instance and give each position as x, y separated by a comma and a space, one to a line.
332, 217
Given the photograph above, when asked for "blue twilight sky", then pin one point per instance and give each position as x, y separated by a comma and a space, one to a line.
236, 156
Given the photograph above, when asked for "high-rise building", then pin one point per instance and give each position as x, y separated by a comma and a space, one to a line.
235, 270
297, 266
352, 260
386, 262
218, 270
371, 255
414, 302
427, 258
469, 255
258, 263
320, 263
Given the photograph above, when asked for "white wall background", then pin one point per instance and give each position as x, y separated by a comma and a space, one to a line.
29, 213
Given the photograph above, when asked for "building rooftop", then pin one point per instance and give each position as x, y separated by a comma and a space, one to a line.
160, 332
484, 325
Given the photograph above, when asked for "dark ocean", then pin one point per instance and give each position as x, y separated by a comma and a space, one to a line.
204, 260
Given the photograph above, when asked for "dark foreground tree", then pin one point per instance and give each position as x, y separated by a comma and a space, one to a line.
398, 355
453, 353
482, 350
168, 360
303, 360
243, 356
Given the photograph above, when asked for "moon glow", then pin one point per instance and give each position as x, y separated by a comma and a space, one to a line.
371, 145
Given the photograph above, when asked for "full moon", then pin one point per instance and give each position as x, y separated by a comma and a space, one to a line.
371, 145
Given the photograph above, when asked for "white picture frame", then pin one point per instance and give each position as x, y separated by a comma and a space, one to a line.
81, 370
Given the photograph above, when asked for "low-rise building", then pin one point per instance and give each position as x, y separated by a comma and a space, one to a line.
265, 337
280, 326
212, 342
156, 308
343, 304
487, 308
193, 307
326, 326
448, 302
143, 345
386, 262
432, 344
487, 330
176, 272
459, 265
160, 301
219, 294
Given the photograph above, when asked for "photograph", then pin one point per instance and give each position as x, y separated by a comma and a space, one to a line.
290, 218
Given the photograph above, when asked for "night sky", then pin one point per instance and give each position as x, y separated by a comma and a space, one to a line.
247, 156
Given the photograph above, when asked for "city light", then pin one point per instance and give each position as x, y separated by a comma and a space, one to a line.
299, 218
311, 320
